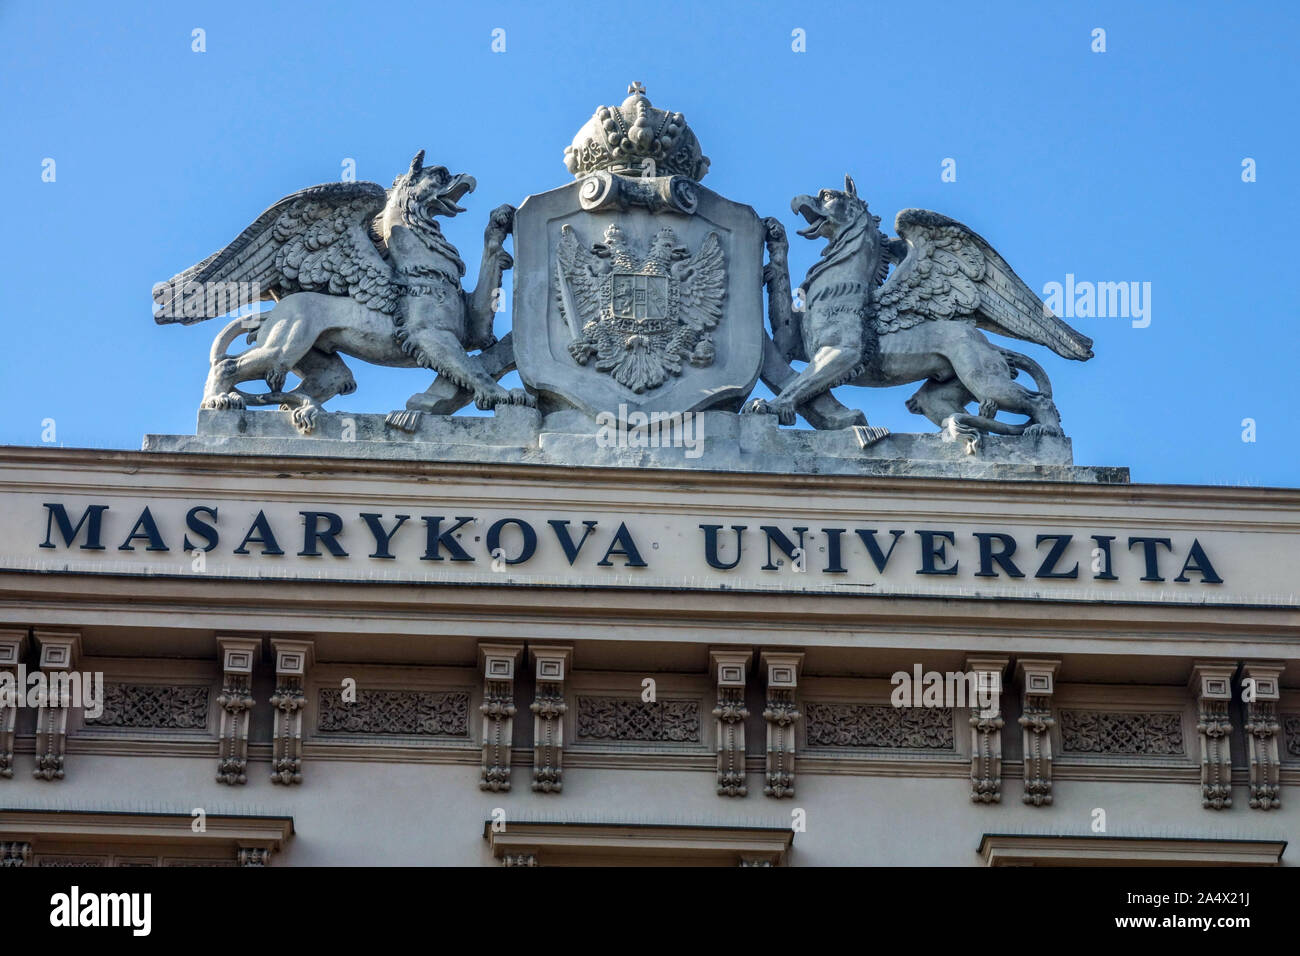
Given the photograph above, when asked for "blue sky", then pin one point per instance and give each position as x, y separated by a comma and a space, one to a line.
1117, 166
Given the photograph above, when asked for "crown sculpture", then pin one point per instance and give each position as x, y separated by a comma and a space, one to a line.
635, 288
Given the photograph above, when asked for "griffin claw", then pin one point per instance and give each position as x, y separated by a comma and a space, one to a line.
406, 420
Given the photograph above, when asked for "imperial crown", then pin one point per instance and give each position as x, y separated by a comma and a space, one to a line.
636, 139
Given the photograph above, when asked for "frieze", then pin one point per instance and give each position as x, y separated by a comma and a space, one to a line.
872, 726
154, 707
412, 713
1146, 734
1291, 733
632, 719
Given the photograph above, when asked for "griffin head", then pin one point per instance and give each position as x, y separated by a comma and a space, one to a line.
830, 210
428, 191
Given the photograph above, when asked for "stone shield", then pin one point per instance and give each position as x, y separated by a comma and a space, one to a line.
612, 279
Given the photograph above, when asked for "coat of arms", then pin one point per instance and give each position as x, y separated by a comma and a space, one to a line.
640, 317
635, 285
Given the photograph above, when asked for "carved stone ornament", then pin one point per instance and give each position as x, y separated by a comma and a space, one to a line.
13, 644
1262, 732
238, 656
641, 314
878, 726
154, 706
549, 707
781, 715
986, 732
498, 710
60, 651
1122, 733
636, 139
292, 661
635, 286
1038, 683
254, 856
731, 669
638, 293
1211, 682
15, 854
663, 720
407, 713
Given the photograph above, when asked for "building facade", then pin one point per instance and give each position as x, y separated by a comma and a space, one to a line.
359, 661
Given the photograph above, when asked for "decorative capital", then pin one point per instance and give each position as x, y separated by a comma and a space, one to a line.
60, 650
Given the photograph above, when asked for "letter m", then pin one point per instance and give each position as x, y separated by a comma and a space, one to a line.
221, 297
1116, 294
91, 519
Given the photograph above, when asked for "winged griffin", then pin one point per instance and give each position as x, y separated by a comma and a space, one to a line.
358, 270
862, 324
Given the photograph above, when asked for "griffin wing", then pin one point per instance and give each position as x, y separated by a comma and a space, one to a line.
580, 274
315, 240
702, 285
951, 272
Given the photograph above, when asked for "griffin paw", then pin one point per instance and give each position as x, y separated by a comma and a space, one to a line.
224, 401
502, 219
783, 411
275, 378
775, 231
1043, 431
517, 396
407, 420
304, 418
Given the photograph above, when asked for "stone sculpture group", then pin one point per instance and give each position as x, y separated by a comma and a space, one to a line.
636, 287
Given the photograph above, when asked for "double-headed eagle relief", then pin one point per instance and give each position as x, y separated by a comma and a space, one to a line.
640, 317
634, 287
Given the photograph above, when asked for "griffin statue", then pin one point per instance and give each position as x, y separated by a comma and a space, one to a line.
355, 270
861, 324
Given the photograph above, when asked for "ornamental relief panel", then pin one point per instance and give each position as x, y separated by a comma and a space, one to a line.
405, 713
842, 725
1118, 733
1291, 737
630, 719
154, 707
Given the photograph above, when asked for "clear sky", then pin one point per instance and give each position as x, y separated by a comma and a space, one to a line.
1116, 166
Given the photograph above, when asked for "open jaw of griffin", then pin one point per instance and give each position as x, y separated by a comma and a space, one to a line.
863, 325
356, 270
